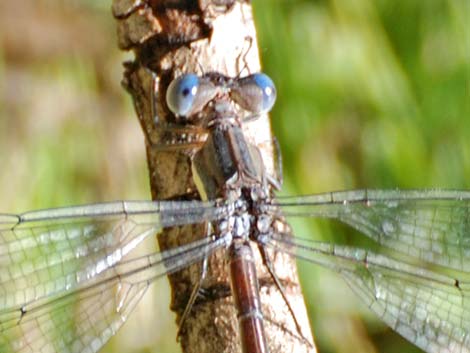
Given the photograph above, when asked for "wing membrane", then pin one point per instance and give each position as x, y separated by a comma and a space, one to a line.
79, 323
55, 265
84, 319
432, 225
47, 252
430, 309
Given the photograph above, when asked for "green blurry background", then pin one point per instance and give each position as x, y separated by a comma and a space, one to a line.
371, 94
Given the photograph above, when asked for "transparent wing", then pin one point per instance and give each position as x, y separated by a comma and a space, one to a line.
430, 309
63, 276
424, 296
432, 226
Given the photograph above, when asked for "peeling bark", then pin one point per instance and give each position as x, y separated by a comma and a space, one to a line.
169, 38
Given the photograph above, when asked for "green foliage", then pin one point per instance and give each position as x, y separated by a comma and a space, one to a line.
371, 94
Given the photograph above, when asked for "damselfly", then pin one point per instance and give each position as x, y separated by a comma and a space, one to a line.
68, 279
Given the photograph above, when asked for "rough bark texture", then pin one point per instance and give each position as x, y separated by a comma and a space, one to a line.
169, 38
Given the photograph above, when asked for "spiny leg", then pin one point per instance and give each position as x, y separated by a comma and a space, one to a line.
193, 297
267, 262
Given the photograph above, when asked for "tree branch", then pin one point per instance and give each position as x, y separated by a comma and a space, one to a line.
169, 38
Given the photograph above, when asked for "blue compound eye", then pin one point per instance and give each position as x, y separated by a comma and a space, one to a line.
181, 94
255, 93
266, 85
